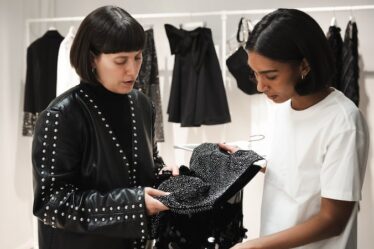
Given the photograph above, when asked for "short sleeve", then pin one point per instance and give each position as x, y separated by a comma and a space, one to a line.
344, 165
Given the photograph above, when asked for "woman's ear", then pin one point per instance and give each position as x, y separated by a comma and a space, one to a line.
93, 59
304, 67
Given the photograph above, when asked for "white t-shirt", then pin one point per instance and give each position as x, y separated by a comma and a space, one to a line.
318, 152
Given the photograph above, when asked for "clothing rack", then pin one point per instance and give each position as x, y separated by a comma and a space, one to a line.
223, 15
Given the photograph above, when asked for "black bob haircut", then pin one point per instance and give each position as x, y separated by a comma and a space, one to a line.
108, 29
290, 35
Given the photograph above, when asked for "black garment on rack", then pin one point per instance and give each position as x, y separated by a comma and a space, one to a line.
148, 81
41, 77
197, 95
336, 44
237, 62
350, 67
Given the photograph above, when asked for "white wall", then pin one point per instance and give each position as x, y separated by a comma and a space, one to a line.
15, 179
248, 112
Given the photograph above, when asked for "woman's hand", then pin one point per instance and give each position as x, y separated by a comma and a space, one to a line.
173, 168
152, 205
230, 149
251, 244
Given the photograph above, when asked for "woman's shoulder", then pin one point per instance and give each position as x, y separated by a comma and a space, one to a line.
67, 101
344, 111
344, 105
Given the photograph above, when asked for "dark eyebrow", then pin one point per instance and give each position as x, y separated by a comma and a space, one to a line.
121, 57
268, 71
125, 56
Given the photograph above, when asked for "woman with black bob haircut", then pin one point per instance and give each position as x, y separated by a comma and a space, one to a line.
95, 160
106, 30
318, 141
291, 36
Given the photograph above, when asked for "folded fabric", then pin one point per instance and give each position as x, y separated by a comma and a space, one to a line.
212, 178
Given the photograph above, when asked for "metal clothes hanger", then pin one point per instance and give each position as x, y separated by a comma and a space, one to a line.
333, 20
193, 25
351, 17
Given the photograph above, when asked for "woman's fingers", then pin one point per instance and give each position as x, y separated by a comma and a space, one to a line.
228, 148
160, 206
153, 205
174, 169
155, 192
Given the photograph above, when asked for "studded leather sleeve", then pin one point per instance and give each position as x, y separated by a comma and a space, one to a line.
59, 201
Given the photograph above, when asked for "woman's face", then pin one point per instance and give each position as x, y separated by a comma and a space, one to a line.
117, 72
276, 79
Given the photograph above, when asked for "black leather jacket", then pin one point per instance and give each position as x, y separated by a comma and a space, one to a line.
87, 195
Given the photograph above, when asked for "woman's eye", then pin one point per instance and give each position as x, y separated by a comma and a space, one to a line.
252, 77
138, 58
271, 77
120, 62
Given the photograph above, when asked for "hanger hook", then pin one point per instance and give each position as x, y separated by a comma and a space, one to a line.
352, 17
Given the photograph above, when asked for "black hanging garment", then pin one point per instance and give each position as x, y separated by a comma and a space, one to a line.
204, 196
41, 77
148, 81
350, 68
336, 44
237, 63
197, 95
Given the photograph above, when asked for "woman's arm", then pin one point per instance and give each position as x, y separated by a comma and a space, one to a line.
330, 221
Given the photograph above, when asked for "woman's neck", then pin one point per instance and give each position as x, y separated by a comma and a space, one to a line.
300, 103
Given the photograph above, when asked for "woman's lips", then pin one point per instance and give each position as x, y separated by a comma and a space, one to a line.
130, 82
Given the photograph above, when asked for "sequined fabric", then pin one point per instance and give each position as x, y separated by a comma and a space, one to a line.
185, 231
214, 177
148, 82
201, 200
29, 120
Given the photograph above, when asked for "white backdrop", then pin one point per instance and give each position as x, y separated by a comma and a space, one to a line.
248, 112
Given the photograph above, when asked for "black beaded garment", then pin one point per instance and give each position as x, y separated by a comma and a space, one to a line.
205, 200
213, 176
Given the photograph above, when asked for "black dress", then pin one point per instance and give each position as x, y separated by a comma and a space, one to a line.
41, 76
148, 82
336, 44
350, 69
197, 95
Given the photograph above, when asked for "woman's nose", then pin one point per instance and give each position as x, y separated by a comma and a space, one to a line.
261, 87
132, 68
